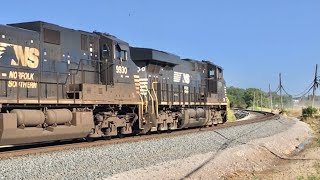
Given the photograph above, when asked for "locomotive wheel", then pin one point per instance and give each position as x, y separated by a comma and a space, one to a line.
89, 139
169, 131
159, 131
121, 135
106, 137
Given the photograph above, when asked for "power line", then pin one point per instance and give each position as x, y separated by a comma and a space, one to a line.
281, 87
270, 96
285, 91
260, 99
315, 85
305, 91
301, 94
277, 90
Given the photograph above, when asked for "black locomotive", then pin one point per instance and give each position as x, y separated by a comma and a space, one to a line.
58, 83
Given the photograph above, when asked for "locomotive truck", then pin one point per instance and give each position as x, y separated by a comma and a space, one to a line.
58, 83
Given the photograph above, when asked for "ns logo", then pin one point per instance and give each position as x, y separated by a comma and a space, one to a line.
17, 55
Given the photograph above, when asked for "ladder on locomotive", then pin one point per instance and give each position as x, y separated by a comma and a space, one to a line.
152, 104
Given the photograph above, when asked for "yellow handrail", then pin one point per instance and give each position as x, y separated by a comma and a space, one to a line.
152, 110
157, 103
142, 104
146, 102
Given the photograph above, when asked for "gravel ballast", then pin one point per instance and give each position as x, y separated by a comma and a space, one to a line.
111, 160
250, 157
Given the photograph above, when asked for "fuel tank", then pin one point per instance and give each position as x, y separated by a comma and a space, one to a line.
58, 116
193, 118
29, 118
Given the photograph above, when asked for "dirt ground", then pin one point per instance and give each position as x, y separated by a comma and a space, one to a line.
304, 165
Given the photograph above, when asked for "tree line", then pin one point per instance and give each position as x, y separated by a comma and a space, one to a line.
253, 97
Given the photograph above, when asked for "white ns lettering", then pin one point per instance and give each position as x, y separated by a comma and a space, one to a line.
24, 56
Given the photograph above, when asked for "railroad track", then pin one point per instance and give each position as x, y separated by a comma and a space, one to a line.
248, 114
14, 151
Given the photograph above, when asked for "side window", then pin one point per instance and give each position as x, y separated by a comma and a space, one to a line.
105, 51
84, 42
220, 75
212, 73
120, 53
51, 36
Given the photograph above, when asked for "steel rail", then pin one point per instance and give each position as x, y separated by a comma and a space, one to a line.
23, 150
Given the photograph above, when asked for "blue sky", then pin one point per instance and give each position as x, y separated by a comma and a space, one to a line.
253, 40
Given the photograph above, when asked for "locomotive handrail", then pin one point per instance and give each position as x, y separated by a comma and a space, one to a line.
67, 73
28, 69
54, 72
156, 97
81, 60
142, 103
40, 81
152, 101
78, 68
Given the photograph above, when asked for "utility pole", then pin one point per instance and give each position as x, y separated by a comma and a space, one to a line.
281, 102
260, 99
270, 96
315, 84
254, 100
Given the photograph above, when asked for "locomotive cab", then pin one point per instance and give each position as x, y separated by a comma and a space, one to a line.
115, 60
215, 83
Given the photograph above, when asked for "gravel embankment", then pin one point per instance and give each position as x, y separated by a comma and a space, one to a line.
248, 158
105, 161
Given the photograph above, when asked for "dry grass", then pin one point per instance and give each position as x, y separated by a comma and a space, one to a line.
295, 113
295, 169
315, 125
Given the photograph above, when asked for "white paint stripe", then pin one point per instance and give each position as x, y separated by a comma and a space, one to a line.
143, 79
7, 146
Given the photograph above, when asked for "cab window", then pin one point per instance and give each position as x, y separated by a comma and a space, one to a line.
212, 73
220, 74
120, 53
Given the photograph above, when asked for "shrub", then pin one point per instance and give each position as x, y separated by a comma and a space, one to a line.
309, 111
283, 111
